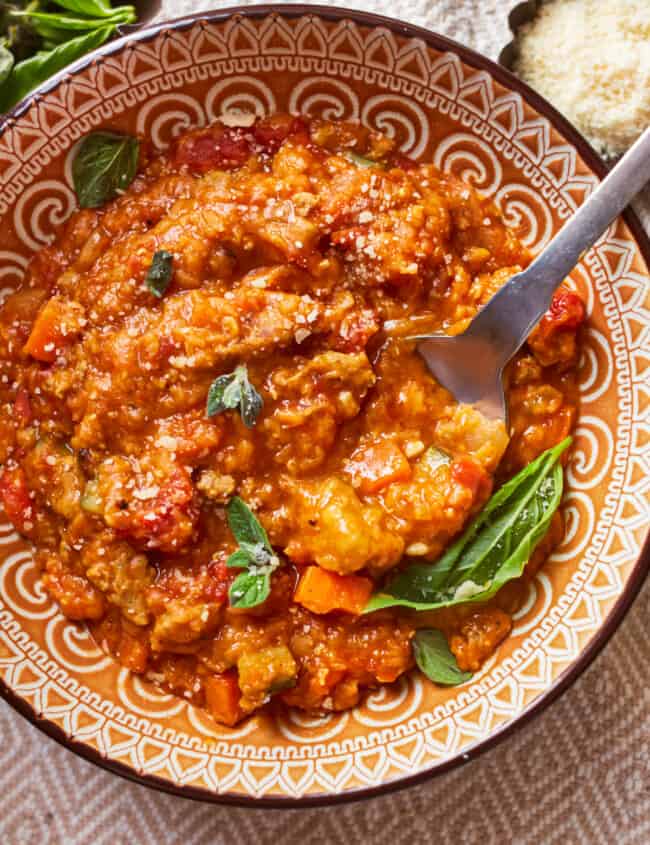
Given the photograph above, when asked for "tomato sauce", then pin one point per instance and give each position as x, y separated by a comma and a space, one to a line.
308, 251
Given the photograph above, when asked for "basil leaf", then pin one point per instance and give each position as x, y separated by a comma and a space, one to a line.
159, 274
249, 589
234, 391
494, 549
104, 166
435, 660
6, 63
238, 559
216, 403
251, 404
255, 553
244, 525
29, 73
48, 23
93, 8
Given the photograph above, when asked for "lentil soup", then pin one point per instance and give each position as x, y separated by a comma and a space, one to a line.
300, 257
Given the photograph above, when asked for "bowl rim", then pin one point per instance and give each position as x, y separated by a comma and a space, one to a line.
641, 567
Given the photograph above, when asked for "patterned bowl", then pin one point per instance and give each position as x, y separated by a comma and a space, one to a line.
443, 103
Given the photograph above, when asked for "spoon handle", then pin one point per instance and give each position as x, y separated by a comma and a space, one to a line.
526, 297
593, 217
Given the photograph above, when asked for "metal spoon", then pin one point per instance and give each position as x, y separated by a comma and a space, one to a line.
470, 365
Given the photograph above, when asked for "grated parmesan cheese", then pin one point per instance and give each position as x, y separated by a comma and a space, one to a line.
591, 59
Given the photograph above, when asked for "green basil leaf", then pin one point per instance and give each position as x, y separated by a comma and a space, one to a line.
104, 166
244, 525
6, 63
251, 404
435, 660
494, 549
232, 393
234, 390
46, 23
29, 73
255, 554
249, 590
215, 404
159, 274
93, 8
239, 560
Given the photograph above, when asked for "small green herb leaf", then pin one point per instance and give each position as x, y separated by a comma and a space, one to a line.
6, 63
238, 560
493, 550
255, 554
104, 166
251, 404
27, 74
93, 8
159, 274
244, 525
234, 391
249, 589
61, 26
435, 660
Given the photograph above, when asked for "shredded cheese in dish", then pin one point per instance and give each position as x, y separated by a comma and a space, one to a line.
591, 59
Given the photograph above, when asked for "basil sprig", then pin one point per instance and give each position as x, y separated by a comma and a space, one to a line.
30, 72
104, 166
493, 550
435, 660
234, 391
255, 555
41, 37
159, 274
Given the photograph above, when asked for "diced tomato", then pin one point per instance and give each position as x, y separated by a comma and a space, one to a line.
467, 472
567, 310
322, 591
271, 132
23, 407
14, 495
222, 696
220, 578
374, 467
54, 328
215, 148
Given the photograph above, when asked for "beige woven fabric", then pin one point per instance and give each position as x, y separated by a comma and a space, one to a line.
580, 773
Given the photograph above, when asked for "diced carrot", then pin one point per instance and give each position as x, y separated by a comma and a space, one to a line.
54, 328
377, 466
467, 472
322, 591
222, 695
14, 495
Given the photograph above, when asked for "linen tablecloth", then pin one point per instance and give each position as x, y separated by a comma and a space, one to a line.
579, 773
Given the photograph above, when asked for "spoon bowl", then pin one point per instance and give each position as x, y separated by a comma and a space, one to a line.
471, 364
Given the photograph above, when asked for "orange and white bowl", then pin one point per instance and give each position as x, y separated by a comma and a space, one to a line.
444, 104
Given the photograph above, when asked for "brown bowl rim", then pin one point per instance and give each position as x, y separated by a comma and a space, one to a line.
642, 565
